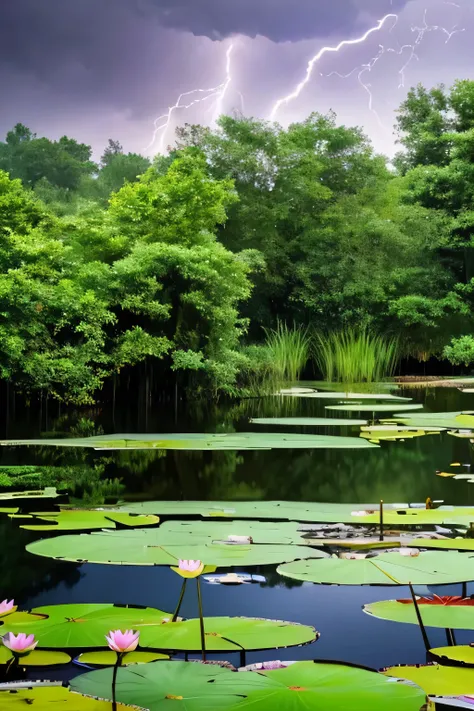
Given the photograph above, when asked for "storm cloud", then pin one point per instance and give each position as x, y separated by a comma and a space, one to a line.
277, 20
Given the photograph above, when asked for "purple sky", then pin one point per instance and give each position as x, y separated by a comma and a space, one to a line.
99, 69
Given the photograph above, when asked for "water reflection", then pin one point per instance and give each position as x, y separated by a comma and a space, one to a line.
396, 472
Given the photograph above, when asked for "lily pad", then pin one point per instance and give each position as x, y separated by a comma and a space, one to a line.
85, 625
327, 395
109, 658
430, 568
36, 658
227, 634
444, 612
44, 698
201, 441
144, 548
307, 421
457, 654
373, 407
314, 512
48, 493
191, 533
83, 520
304, 686
454, 544
447, 420
436, 680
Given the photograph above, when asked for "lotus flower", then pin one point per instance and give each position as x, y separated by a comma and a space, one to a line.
19, 644
122, 642
189, 568
6, 607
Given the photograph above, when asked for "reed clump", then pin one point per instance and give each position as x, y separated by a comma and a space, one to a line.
356, 355
290, 350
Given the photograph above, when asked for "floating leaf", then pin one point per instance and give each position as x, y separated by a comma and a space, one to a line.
436, 680
314, 512
447, 420
109, 658
143, 548
307, 421
84, 520
199, 442
192, 533
430, 568
47, 493
327, 395
36, 658
444, 612
227, 634
373, 407
459, 654
83, 625
45, 698
305, 686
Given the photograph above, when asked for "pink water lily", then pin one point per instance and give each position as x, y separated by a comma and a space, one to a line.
189, 568
7, 606
123, 642
19, 644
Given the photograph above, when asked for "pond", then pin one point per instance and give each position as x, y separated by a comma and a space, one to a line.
395, 472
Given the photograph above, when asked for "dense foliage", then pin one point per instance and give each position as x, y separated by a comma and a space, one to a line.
177, 268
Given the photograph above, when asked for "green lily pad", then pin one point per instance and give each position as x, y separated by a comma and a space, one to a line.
45, 698
48, 493
459, 654
447, 420
85, 625
364, 407
437, 680
109, 658
201, 441
448, 613
327, 395
143, 548
84, 520
307, 421
430, 568
227, 634
304, 686
314, 512
191, 533
454, 544
36, 658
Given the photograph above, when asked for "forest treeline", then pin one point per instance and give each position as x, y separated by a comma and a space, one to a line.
175, 268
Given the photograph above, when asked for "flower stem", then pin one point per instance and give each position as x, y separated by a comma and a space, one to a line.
201, 620
114, 680
180, 601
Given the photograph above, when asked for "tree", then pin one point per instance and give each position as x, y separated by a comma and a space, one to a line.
436, 128
113, 149
62, 163
177, 288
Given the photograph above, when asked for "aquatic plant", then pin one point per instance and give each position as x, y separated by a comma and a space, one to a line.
20, 643
289, 348
355, 355
120, 642
192, 569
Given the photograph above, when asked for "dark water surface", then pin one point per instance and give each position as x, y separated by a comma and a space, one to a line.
396, 472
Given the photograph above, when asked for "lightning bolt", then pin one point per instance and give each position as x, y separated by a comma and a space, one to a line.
421, 32
321, 53
163, 123
225, 86
367, 67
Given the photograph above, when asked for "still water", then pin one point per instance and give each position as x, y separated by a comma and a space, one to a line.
396, 472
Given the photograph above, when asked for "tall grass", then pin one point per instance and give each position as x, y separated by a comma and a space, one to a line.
290, 349
356, 356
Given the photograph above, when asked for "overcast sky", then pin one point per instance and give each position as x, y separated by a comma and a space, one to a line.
99, 69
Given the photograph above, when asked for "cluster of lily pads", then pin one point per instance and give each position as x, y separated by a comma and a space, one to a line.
141, 649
